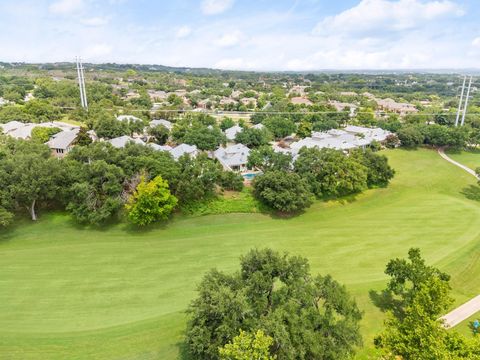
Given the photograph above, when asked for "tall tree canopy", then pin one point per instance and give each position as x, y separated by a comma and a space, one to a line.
308, 317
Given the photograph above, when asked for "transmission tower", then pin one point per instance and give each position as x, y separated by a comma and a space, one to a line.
81, 83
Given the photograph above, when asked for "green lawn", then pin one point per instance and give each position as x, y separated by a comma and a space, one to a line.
68, 292
469, 158
464, 327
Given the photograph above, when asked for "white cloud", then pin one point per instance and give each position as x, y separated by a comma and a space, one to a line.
183, 32
375, 15
229, 39
476, 42
95, 21
65, 7
213, 7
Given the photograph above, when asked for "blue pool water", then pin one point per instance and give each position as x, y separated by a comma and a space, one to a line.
250, 176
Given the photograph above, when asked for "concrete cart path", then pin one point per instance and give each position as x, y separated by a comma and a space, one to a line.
462, 313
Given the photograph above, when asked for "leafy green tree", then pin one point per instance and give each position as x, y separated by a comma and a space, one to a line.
6, 217
204, 137
196, 179
308, 317
29, 176
304, 129
330, 173
108, 127
415, 297
226, 123
43, 134
248, 346
96, 195
283, 191
42, 111
265, 159
14, 113
151, 202
379, 173
410, 136
280, 126
83, 139
229, 180
253, 138
160, 134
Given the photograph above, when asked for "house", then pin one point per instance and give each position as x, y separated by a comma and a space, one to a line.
157, 95
249, 101
122, 141
162, 122
62, 142
232, 132
348, 93
11, 125
399, 108
227, 101
258, 126
298, 100
347, 138
204, 104
341, 106
3, 101
182, 149
160, 147
298, 89
233, 157
128, 118
23, 131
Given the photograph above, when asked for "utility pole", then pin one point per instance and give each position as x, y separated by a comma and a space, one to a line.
461, 101
466, 101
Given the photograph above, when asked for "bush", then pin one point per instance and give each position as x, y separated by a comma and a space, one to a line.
229, 180
283, 191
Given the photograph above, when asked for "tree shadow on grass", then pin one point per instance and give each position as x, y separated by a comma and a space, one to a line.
471, 192
385, 301
183, 353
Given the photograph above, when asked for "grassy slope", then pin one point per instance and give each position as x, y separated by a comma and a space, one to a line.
76, 293
469, 158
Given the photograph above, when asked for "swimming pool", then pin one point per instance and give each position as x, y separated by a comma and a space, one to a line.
250, 175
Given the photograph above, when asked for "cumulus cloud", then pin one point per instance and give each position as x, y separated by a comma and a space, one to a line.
386, 15
183, 32
65, 7
230, 39
476, 42
214, 7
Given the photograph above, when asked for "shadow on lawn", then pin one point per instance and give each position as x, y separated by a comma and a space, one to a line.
183, 352
471, 192
385, 301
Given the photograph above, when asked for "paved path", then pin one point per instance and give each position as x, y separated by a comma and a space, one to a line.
441, 151
471, 307
463, 312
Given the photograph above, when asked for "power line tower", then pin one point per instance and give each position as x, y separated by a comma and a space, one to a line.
465, 105
81, 83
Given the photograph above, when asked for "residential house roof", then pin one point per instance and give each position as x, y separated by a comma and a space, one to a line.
163, 122
232, 132
233, 155
122, 141
63, 140
183, 149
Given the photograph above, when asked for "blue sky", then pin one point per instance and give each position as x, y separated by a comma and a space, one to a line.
246, 34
